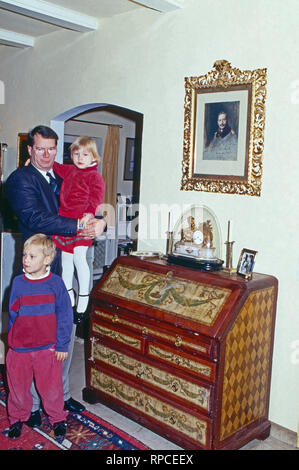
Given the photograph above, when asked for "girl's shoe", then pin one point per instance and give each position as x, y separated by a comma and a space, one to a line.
78, 318
81, 316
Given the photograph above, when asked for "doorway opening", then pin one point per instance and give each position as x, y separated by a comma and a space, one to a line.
93, 120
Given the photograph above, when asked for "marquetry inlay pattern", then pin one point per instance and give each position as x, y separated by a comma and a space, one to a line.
176, 359
117, 336
197, 301
153, 375
246, 369
183, 422
176, 340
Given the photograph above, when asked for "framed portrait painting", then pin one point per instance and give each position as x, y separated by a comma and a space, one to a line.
22, 152
224, 131
129, 159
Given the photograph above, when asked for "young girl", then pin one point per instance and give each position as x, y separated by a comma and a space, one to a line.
81, 194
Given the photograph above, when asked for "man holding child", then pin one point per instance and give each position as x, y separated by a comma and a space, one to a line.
33, 197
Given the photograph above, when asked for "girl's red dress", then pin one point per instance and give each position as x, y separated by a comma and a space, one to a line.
82, 191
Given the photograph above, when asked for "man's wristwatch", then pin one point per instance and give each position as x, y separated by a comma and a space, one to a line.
79, 226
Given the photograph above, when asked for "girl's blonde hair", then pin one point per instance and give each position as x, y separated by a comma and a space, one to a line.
46, 244
90, 145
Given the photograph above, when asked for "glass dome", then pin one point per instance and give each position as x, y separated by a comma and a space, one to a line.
197, 234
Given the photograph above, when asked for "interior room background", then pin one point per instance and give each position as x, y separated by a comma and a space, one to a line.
138, 60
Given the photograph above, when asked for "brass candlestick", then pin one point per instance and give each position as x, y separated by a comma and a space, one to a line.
229, 258
169, 242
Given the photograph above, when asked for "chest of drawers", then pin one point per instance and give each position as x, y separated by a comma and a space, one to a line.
185, 353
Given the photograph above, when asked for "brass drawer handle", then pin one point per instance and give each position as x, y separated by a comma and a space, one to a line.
114, 319
178, 341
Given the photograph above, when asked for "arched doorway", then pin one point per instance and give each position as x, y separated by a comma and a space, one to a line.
81, 114
58, 124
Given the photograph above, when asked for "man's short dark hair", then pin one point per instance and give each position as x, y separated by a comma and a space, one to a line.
44, 131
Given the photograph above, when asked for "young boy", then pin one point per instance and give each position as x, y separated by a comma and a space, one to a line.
39, 331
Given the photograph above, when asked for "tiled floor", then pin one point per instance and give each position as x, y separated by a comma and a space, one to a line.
279, 439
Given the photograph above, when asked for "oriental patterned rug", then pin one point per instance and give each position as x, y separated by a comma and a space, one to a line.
85, 431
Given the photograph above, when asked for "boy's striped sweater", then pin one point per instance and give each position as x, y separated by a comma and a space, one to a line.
40, 314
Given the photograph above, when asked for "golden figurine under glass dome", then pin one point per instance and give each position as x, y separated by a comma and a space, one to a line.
196, 237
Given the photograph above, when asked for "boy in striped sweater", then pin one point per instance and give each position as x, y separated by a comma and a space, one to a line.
39, 331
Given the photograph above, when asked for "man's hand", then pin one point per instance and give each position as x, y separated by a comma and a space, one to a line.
61, 356
82, 222
93, 228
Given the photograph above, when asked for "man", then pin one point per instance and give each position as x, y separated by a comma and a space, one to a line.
224, 145
34, 200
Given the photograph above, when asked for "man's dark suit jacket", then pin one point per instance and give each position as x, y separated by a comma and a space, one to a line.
36, 205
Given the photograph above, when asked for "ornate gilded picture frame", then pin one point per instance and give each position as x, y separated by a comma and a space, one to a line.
224, 120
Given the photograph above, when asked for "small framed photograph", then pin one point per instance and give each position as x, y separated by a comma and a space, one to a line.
246, 263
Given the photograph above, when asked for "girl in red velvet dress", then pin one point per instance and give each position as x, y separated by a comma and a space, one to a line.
81, 195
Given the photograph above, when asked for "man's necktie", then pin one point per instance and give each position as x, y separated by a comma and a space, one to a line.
53, 184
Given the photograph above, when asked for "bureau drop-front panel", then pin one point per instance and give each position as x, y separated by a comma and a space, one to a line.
185, 353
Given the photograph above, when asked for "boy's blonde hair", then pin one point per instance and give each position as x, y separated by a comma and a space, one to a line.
89, 143
46, 244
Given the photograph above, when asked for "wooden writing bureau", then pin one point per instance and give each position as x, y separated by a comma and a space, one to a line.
185, 353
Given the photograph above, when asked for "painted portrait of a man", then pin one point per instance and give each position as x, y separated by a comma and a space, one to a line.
221, 131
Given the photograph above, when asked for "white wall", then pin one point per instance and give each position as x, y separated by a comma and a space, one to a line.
139, 61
